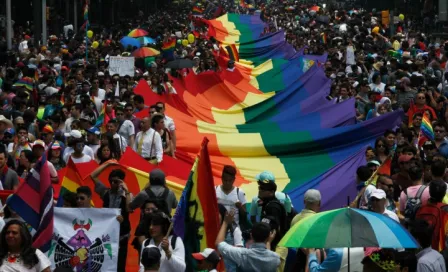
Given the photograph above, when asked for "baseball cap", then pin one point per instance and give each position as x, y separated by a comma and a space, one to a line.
208, 254
429, 144
404, 158
56, 145
74, 133
10, 131
265, 176
94, 130
151, 255
87, 117
373, 162
378, 194
312, 196
47, 129
39, 142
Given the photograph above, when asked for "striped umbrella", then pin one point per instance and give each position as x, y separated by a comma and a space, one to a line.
145, 52
137, 33
146, 40
348, 227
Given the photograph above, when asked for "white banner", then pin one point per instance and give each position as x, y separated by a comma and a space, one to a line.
85, 239
122, 66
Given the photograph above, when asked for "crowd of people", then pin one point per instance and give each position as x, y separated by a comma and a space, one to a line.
53, 97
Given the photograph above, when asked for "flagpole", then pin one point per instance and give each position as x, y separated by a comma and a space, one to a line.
87, 28
368, 182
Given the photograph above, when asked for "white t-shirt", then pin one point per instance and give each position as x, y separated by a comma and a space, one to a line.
127, 129
122, 142
44, 262
229, 200
84, 158
68, 124
94, 148
391, 215
69, 150
177, 260
169, 123
101, 94
2, 222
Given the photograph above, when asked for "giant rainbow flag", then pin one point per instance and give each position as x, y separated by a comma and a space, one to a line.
270, 113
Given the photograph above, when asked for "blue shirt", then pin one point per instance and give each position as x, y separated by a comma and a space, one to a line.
255, 259
331, 263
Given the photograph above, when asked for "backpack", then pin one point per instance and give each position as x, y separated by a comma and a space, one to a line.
277, 205
436, 216
172, 242
160, 199
413, 204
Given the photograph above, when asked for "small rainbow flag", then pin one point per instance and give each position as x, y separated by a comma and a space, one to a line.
169, 45
197, 10
86, 12
323, 38
168, 49
426, 131
233, 52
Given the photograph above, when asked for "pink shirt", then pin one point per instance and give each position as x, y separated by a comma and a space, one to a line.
412, 191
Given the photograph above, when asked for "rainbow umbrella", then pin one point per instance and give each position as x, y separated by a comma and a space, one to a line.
146, 40
137, 33
25, 82
145, 52
315, 8
348, 227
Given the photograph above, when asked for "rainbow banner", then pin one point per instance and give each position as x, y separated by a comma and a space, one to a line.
197, 212
168, 49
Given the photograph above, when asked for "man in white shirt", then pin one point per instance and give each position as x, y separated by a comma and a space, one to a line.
231, 197
148, 143
125, 127
78, 156
23, 46
378, 201
112, 127
74, 137
75, 113
207, 260
169, 123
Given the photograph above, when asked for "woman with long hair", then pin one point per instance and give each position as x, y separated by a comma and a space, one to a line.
16, 251
108, 139
381, 149
55, 155
26, 163
105, 153
171, 247
158, 124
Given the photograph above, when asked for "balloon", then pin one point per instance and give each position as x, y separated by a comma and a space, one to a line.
401, 16
89, 34
95, 45
179, 41
190, 38
184, 42
375, 30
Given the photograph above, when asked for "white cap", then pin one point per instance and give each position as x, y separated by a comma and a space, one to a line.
100, 74
378, 194
312, 196
74, 133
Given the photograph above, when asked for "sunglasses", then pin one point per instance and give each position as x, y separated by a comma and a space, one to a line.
439, 131
381, 145
374, 199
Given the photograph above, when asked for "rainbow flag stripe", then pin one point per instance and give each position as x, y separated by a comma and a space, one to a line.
426, 128
270, 114
197, 10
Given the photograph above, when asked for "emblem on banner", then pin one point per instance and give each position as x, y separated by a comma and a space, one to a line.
80, 252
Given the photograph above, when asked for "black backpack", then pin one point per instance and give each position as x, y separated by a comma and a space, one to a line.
413, 204
160, 199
